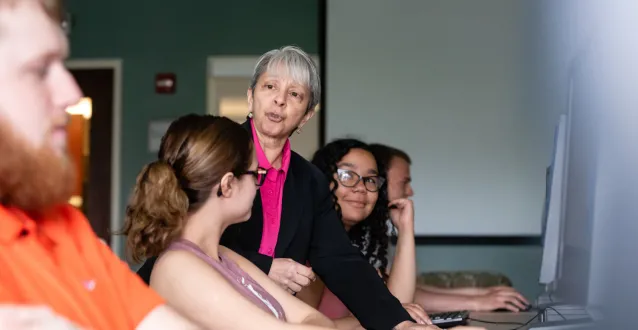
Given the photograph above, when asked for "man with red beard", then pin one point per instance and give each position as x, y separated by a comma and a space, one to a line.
54, 272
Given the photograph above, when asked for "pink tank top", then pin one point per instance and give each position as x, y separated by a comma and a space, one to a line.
238, 278
331, 306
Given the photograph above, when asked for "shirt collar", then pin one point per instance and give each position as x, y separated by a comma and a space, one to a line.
261, 156
15, 222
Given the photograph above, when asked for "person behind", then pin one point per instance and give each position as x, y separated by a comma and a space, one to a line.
54, 271
293, 219
396, 163
357, 187
205, 180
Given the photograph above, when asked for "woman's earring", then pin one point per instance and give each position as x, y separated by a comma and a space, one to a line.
298, 131
250, 114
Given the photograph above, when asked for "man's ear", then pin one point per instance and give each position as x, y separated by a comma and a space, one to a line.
226, 184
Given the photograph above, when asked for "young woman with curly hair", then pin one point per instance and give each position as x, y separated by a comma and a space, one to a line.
358, 189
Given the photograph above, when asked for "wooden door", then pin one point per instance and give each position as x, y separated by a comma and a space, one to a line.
97, 84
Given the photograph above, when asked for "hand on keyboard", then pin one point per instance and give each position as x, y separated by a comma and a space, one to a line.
417, 313
407, 325
451, 320
413, 326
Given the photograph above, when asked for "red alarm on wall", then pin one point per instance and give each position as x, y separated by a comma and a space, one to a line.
165, 83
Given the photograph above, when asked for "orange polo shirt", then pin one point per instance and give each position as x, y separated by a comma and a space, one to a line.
58, 261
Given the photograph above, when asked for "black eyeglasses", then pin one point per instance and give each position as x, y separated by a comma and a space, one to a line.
350, 179
259, 175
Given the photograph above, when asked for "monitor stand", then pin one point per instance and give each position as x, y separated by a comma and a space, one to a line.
570, 317
585, 324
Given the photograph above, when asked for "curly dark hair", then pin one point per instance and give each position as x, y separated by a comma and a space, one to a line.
370, 236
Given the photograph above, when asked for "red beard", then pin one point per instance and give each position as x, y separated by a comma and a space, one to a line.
32, 179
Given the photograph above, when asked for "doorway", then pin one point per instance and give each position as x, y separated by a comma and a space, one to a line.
93, 134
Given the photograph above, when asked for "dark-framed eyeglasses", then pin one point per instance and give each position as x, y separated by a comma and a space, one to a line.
350, 179
259, 175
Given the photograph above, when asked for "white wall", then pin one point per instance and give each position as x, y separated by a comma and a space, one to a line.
444, 80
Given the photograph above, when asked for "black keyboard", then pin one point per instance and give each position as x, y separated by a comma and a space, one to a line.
449, 319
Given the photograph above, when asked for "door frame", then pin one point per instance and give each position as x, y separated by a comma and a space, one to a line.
116, 144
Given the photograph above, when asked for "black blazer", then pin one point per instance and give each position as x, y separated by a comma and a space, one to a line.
311, 231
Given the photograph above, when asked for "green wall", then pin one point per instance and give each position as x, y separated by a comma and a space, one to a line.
521, 264
169, 36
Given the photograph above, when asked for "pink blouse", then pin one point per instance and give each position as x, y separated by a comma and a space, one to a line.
272, 193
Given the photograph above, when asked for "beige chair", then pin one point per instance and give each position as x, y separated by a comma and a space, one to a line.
463, 279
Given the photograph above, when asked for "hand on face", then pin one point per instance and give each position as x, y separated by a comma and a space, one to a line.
291, 275
402, 214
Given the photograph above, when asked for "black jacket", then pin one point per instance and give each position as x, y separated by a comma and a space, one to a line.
311, 230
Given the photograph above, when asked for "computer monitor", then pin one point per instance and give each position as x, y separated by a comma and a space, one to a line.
614, 265
580, 192
581, 182
553, 207
600, 232
599, 263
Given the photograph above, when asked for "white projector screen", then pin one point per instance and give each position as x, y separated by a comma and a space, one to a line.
444, 81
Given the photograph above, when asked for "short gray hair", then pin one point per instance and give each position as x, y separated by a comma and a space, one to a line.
300, 66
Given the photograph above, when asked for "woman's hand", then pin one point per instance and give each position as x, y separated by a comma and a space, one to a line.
291, 275
413, 326
417, 313
500, 297
402, 214
407, 325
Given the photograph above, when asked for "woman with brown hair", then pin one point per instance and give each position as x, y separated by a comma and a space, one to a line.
205, 179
